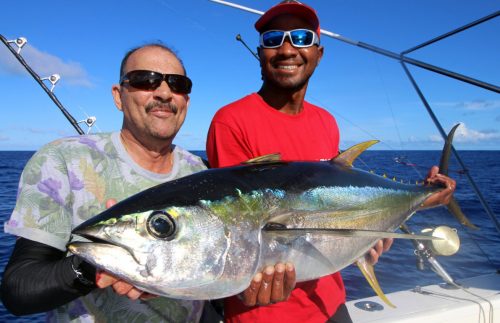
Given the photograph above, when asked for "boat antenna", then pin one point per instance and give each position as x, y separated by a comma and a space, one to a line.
52, 79
238, 38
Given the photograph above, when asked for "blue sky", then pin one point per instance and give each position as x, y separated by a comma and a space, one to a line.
369, 94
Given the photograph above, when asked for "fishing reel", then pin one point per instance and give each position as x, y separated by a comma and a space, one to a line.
449, 244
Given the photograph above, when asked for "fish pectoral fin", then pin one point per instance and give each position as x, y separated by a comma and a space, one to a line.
281, 229
347, 157
369, 273
264, 159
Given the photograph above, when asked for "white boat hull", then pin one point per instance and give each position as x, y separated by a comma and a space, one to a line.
435, 303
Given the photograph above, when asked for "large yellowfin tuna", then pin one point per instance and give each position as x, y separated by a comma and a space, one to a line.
206, 235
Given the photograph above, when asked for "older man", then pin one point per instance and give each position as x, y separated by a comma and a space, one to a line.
72, 179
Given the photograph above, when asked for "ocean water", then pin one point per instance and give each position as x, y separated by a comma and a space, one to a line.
396, 269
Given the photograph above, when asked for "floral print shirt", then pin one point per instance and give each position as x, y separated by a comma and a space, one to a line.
67, 182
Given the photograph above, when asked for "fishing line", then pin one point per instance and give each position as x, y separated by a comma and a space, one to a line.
389, 104
474, 240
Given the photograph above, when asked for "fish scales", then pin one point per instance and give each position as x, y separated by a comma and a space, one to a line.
219, 215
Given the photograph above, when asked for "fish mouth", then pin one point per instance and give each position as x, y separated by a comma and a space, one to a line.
87, 249
96, 239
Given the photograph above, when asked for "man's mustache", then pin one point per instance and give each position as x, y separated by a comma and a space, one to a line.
162, 105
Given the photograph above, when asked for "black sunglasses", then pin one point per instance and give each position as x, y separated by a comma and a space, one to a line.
150, 80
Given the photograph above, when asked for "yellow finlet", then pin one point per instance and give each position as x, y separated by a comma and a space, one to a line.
264, 159
348, 156
367, 270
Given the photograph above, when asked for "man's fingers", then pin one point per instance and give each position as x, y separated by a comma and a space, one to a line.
122, 288
264, 296
103, 279
110, 203
277, 290
387, 242
145, 296
432, 172
372, 256
379, 247
250, 294
289, 283
134, 293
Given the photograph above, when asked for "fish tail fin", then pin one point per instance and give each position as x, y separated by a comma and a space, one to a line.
445, 154
453, 207
367, 270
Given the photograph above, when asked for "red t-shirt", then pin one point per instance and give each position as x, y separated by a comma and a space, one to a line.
249, 128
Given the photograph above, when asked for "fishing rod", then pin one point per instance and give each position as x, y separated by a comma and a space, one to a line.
387, 53
20, 42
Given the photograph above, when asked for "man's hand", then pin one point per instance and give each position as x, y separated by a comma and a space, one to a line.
273, 285
104, 279
378, 249
443, 197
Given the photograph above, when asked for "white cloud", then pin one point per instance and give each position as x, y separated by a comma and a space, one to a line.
476, 105
44, 64
467, 135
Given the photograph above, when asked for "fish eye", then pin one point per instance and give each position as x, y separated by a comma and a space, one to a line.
161, 225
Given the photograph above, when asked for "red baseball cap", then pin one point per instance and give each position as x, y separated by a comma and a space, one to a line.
291, 7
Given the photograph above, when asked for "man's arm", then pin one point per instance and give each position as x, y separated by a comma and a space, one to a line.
40, 278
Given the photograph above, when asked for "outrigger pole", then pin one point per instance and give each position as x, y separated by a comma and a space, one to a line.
403, 60
20, 42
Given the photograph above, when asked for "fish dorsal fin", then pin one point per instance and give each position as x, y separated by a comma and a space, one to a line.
348, 156
264, 159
